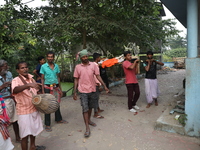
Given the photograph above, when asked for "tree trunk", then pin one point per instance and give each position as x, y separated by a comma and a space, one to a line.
84, 39
83, 30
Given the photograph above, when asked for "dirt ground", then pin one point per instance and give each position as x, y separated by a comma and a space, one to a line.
120, 129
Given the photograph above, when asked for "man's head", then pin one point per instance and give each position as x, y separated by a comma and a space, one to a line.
3, 67
41, 60
149, 54
127, 55
50, 56
97, 57
22, 68
84, 56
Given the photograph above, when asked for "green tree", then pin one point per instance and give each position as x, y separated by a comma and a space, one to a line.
16, 39
178, 52
106, 24
174, 42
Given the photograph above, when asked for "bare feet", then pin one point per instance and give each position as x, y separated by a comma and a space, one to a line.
156, 103
62, 121
100, 110
148, 105
18, 141
98, 116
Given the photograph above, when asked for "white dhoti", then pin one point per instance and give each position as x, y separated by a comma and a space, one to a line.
30, 124
10, 109
151, 89
5, 144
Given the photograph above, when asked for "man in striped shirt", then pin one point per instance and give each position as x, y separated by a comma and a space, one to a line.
29, 119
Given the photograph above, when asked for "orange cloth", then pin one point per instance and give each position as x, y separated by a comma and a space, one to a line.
109, 62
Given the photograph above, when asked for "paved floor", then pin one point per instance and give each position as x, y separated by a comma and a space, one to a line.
120, 129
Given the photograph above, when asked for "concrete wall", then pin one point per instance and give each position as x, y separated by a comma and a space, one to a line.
192, 95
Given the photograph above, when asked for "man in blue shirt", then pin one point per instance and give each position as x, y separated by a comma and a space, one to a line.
37, 69
51, 84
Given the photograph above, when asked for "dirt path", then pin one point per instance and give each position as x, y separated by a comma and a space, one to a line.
120, 129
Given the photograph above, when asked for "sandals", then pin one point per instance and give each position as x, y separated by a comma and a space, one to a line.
48, 129
40, 147
87, 134
92, 124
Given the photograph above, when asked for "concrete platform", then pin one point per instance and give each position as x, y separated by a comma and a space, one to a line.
168, 123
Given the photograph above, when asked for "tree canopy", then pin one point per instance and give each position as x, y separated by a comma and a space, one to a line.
70, 25
105, 25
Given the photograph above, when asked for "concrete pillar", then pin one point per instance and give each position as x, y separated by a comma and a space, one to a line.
192, 28
198, 30
192, 95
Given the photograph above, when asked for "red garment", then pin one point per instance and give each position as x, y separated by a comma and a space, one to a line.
3, 127
109, 62
54, 91
130, 73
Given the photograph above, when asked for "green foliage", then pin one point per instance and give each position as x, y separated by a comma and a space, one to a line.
182, 119
64, 25
174, 42
166, 58
108, 25
179, 52
16, 39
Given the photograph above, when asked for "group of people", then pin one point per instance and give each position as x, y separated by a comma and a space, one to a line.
16, 101
17, 94
151, 83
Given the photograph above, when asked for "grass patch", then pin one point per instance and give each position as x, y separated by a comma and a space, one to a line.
66, 86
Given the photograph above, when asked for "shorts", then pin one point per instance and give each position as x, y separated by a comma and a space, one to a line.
88, 100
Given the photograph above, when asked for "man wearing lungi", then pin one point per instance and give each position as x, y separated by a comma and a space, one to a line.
5, 91
85, 82
151, 83
130, 70
51, 84
29, 119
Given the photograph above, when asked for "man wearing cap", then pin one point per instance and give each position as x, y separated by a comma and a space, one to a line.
85, 82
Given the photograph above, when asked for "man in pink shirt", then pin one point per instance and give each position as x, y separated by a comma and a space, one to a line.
130, 70
29, 119
85, 82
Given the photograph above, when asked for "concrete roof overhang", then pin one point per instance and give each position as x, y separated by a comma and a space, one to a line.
178, 8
